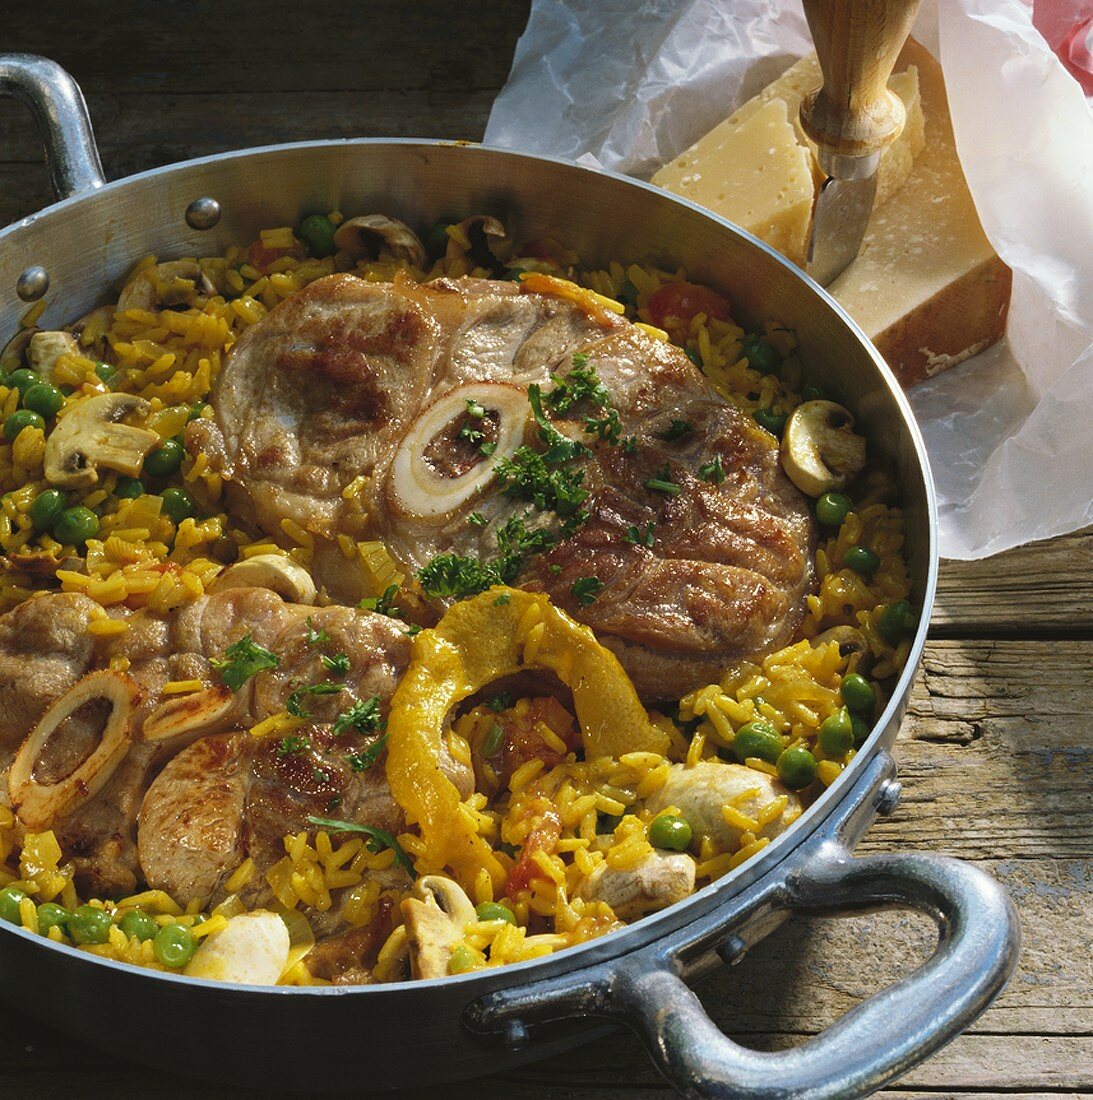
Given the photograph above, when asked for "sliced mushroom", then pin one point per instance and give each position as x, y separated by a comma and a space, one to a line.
417, 487
377, 237
658, 881
189, 716
179, 282
40, 804
478, 231
40, 563
14, 354
252, 950
45, 348
90, 436
852, 642
436, 915
820, 450
276, 572
98, 321
699, 793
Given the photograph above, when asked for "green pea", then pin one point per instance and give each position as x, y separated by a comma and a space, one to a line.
862, 560
836, 737
89, 924
196, 409
23, 378
670, 832
174, 945
129, 488
831, 508
225, 549
772, 421
20, 419
10, 897
797, 768
862, 730
74, 526
810, 392
178, 504
760, 355
44, 399
491, 910
436, 240
165, 459
47, 506
51, 915
105, 371
137, 922
858, 693
491, 743
757, 739
317, 233
462, 959
896, 622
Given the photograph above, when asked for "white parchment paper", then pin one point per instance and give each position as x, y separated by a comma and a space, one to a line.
628, 84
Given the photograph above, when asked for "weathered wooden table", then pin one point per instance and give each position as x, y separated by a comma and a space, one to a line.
995, 757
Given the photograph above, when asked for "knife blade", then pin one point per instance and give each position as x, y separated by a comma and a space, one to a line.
851, 118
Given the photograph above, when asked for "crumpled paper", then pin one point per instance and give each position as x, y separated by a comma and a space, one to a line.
629, 84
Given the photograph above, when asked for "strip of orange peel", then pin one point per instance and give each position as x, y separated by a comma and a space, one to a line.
478, 641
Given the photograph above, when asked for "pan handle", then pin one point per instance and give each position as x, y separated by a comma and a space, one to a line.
61, 114
878, 1039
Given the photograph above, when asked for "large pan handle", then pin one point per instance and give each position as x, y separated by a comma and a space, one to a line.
62, 118
878, 1039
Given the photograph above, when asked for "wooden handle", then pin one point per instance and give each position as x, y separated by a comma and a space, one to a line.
857, 41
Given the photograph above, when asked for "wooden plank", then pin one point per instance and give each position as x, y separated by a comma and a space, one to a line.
1044, 588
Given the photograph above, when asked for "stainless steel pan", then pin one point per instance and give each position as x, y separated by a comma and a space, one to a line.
486, 1022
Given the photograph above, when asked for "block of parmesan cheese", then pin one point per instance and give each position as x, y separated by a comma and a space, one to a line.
927, 287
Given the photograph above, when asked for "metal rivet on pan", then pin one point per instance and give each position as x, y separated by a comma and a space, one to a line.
888, 799
515, 1034
732, 950
33, 283
203, 213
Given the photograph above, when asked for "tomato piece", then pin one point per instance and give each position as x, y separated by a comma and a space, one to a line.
543, 836
260, 257
675, 304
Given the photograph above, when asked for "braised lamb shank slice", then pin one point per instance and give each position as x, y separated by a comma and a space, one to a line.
533, 436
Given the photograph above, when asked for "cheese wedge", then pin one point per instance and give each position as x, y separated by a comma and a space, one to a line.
927, 287
750, 168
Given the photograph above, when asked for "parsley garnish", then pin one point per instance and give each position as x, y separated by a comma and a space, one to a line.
502, 600
363, 760
476, 519
487, 449
586, 589
712, 471
663, 482
338, 664
242, 660
581, 384
293, 744
474, 412
411, 630
676, 430
382, 605
607, 427
636, 538
295, 702
315, 637
559, 448
378, 839
629, 444
455, 575
363, 716
693, 355
527, 476
501, 701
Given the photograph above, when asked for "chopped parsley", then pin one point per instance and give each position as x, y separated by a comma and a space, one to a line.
559, 448
663, 482
676, 430
457, 575
629, 444
636, 537
502, 600
607, 427
295, 702
475, 412
476, 519
586, 589
363, 760
581, 384
378, 839
293, 744
363, 716
315, 637
411, 630
242, 660
712, 471
382, 605
501, 701
487, 449
527, 476
338, 664
693, 355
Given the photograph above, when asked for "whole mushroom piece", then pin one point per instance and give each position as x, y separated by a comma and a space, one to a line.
820, 450
436, 915
377, 237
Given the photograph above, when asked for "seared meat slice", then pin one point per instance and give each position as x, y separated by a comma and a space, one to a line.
701, 544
